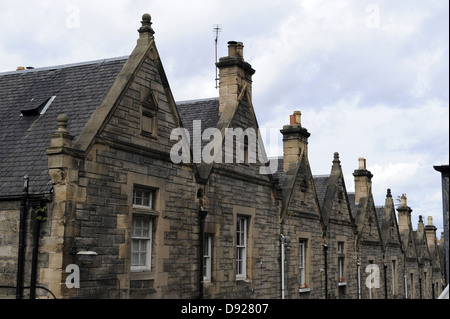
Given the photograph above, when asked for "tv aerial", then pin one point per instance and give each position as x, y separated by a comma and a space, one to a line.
217, 28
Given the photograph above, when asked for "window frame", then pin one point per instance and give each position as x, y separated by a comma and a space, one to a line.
302, 249
151, 197
241, 246
341, 262
394, 276
147, 266
207, 258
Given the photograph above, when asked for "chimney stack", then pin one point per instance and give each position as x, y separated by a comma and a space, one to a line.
235, 75
404, 215
295, 139
430, 232
363, 181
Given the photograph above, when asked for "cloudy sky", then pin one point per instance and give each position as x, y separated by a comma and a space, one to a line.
371, 78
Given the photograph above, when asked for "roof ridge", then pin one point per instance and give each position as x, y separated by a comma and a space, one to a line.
197, 100
63, 66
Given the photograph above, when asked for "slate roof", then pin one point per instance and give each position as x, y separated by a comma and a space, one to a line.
321, 184
352, 204
204, 110
279, 176
78, 90
379, 210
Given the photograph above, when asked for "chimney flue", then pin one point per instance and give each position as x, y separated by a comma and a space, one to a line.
240, 50
295, 119
403, 200
362, 163
232, 48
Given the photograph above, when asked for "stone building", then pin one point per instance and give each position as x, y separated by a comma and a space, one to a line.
340, 233
130, 194
411, 272
393, 259
369, 247
424, 260
437, 277
301, 221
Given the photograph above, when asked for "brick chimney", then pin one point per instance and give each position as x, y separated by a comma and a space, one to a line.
295, 139
404, 215
235, 75
363, 181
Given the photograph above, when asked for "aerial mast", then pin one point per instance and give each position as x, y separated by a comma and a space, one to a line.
217, 28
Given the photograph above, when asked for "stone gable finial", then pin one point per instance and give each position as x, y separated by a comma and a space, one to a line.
388, 193
63, 120
146, 24
336, 158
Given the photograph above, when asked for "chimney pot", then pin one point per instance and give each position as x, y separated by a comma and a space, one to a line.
295, 119
430, 221
20, 68
232, 48
404, 200
362, 163
240, 50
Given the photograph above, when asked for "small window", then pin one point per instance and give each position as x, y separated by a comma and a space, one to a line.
141, 243
148, 124
241, 247
207, 256
341, 259
302, 264
149, 108
144, 197
394, 277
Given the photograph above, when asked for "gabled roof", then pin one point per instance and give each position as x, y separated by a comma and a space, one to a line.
30, 102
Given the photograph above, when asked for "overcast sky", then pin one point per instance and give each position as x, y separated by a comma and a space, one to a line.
371, 78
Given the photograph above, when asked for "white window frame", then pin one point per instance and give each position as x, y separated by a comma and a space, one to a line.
394, 276
139, 202
241, 247
207, 258
142, 238
341, 260
302, 263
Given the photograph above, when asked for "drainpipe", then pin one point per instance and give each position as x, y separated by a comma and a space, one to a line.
202, 214
358, 263
20, 257
385, 282
406, 286
37, 229
325, 249
283, 240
